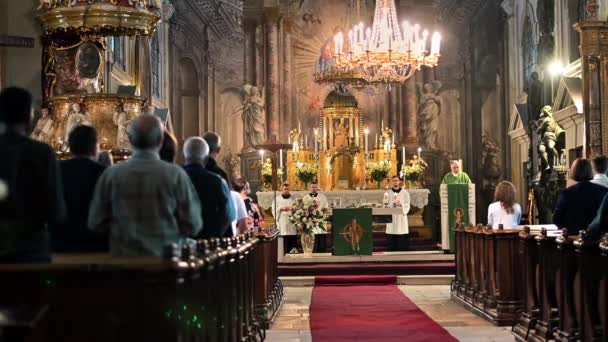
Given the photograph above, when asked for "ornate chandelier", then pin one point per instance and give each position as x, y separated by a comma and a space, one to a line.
384, 53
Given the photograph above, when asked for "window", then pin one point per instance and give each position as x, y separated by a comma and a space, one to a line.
529, 51
117, 49
156, 66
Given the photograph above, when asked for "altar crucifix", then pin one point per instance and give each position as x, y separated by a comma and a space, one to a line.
13, 41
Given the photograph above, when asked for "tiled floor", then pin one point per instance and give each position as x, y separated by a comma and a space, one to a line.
291, 323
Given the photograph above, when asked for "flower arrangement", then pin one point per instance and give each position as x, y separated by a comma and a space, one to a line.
308, 217
267, 172
378, 171
306, 172
414, 170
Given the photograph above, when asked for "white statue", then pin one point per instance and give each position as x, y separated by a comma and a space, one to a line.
121, 120
429, 109
44, 128
253, 113
75, 119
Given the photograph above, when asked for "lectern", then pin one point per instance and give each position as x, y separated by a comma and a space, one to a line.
457, 206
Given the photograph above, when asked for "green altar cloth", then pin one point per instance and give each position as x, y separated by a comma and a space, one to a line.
352, 231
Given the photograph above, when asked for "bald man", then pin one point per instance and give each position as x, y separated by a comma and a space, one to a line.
145, 203
456, 176
218, 209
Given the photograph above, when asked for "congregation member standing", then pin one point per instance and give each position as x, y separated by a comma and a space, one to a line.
242, 222
168, 151
145, 203
215, 143
79, 177
397, 232
321, 199
253, 210
281, 209
600, 168
504, 211
578, 204
217, 206
456, 176
30, 172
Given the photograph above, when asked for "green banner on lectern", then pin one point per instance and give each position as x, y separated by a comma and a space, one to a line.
352, 231
458, 208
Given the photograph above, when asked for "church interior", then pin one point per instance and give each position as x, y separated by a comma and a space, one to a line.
409, 163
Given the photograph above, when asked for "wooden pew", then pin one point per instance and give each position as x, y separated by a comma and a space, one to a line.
528, 257
487, 279
603, 293
269, 289
206, 294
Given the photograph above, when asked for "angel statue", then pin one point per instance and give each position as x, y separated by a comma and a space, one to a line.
44, 128
429, 109
75, 119
252, 112
121, 120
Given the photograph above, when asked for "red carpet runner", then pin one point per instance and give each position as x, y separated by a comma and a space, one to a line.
368, 308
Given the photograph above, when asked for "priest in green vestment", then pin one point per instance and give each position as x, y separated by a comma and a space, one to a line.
456, 176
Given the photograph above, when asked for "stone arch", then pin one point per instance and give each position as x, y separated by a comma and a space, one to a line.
189, 90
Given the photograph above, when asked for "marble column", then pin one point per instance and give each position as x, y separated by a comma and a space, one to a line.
272, 79
287, 107
411, 110
250, 53
205, 80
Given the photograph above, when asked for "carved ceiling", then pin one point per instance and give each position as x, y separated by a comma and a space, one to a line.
456, 11
222, 16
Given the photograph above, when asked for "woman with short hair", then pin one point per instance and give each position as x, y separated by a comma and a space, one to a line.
504, 211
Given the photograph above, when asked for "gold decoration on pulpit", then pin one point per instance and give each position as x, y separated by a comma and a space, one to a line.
340, 150
74, 48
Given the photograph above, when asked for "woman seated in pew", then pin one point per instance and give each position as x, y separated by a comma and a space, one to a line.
578, 204
504, 210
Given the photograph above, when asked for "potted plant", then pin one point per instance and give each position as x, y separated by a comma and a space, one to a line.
378, 171
308, 218
306, 172
413, 172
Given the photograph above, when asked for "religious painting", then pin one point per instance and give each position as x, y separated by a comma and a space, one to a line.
88, 60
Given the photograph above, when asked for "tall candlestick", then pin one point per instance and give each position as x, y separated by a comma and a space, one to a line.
403, 154
383, 125
366, 131
306, 141
376, 141
262, 156
289, 139
299, 126
419, 150
316, 141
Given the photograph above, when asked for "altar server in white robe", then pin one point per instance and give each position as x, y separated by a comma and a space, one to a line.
397, 232
281, 208
321, 235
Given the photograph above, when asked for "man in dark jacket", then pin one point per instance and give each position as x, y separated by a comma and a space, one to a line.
79, 175
217, 209
214, 142
30, 171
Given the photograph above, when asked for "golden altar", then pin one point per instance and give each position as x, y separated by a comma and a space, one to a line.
341, 147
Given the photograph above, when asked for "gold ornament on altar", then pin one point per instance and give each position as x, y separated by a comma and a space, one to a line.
339, 152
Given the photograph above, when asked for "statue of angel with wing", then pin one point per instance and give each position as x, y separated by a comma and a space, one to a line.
253, 113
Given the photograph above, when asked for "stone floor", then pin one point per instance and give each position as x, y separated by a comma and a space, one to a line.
292, 321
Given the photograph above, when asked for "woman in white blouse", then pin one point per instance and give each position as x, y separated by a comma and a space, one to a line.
504, 210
